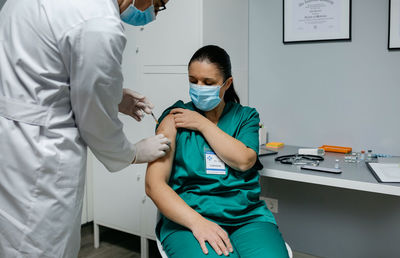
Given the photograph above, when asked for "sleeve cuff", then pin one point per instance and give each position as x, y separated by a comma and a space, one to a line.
117, 162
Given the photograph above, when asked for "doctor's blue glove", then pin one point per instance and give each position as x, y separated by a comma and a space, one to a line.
134, 104
152, 148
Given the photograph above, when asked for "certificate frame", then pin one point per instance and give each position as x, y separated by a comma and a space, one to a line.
394, 25
325, 20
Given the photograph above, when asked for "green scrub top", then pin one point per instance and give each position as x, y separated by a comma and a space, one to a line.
231, 199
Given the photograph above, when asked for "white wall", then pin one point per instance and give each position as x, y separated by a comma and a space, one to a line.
218, 25
337, 93
342, 93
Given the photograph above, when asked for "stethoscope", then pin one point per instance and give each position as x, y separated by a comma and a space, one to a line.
300, 159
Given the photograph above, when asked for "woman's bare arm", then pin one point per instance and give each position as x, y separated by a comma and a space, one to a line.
157, 176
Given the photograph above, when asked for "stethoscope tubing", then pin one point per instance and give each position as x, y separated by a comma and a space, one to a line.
289, 159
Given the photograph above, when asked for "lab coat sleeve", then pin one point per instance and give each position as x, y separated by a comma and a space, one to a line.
93, 52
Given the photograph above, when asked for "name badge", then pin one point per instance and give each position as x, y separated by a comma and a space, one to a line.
214, 165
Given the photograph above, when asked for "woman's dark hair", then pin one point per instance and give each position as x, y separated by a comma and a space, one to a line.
219, 57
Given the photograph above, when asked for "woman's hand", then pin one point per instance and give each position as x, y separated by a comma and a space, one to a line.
185, 118
205, 230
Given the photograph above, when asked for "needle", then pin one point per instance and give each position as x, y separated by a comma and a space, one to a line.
155, 119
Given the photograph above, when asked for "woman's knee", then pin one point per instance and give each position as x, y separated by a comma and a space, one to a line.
259, 239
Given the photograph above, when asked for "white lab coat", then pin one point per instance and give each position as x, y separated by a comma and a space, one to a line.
60, 85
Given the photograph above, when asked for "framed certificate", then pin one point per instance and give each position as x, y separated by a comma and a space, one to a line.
316, 20
394, 24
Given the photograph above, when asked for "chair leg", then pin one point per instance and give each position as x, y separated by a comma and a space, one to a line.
144, 247
96, 235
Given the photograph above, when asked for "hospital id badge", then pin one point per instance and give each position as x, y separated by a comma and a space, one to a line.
214, 165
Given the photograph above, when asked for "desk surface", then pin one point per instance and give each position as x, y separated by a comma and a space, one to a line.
355, 176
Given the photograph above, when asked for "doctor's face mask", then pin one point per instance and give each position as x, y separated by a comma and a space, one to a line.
136, 17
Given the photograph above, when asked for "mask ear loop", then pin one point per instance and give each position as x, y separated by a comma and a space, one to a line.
223, 84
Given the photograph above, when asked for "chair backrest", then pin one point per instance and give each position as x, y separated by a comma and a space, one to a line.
289, 251
159, 245
161, 249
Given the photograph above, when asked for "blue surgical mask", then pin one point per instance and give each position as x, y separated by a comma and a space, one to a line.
135, 17
205, 98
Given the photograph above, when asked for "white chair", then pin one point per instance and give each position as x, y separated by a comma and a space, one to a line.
289, 250
160, 248
164, 255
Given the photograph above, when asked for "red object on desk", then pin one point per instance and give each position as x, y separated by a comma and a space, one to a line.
340, 149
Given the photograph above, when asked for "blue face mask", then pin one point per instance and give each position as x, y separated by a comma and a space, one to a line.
135, 17
205, 98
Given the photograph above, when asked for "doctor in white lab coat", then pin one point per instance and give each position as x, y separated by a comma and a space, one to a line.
60, 91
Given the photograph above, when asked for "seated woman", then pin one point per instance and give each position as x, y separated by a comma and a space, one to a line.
207, 187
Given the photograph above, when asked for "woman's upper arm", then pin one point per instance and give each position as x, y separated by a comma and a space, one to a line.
167, 127
160, 169
248, 132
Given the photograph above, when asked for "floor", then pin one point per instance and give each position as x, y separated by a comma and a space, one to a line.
117, 244
113, 244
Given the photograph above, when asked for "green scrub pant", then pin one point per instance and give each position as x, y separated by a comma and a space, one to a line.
255, 240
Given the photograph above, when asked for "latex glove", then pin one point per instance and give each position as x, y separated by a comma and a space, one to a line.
134, 104
152, 148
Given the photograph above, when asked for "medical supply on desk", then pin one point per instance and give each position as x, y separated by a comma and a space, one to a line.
262, 134
353, 158
348, 159
337, 166
362, 156
274, 145
312, 151
298, 159
263, 151
381, 155
339, 149
369, 155
322, 169
356, 156
266, 152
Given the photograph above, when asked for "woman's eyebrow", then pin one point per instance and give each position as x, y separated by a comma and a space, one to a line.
207, 79
210, 80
